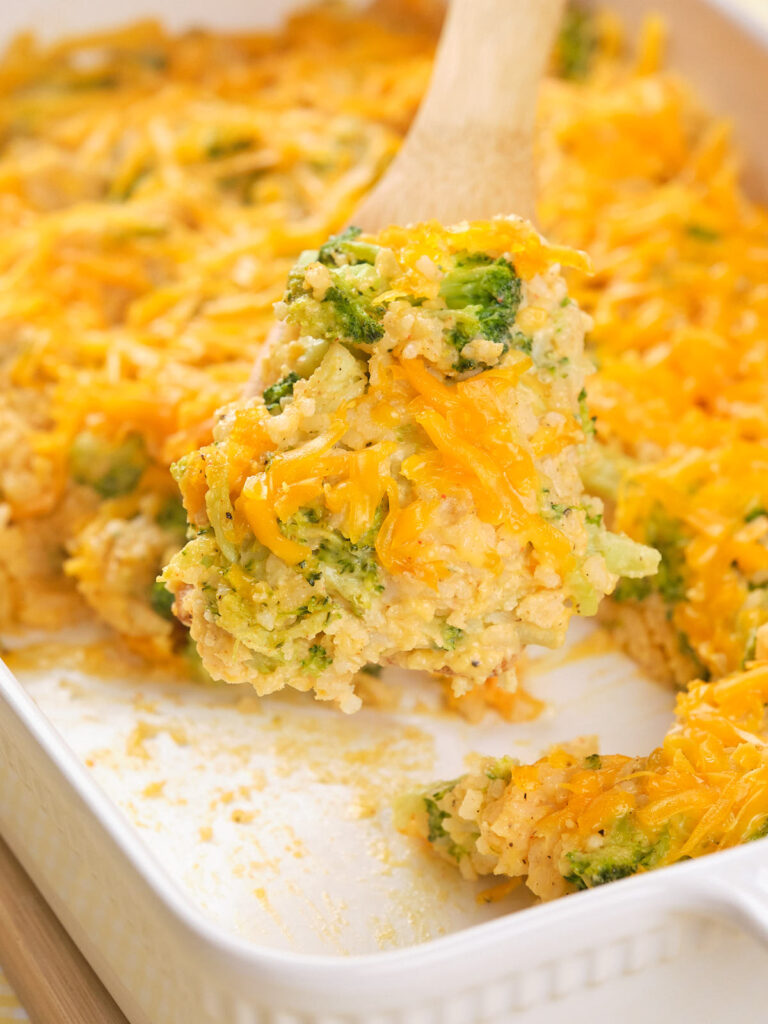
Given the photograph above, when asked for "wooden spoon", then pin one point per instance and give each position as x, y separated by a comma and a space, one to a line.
469, 153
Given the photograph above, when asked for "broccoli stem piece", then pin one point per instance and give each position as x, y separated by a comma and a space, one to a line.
576, 44
344, 249
626, 851
110, 468
317, 660
275, 393
161, 600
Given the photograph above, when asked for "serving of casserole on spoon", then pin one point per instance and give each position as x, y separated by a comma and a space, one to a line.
403, 487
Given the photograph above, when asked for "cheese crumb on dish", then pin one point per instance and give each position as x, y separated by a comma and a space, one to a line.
405, 490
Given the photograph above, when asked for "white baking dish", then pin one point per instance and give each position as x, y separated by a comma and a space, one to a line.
131, 897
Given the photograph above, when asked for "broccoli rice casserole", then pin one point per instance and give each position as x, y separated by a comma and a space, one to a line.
458, 438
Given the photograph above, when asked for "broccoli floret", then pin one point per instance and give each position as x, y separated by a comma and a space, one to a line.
172, 516
755, 513
625, 851
667, 536
760, 832
451, 636
317, 660
632, 590
501, 768
488, 290
356, 323
593, 761
161, 600
670, 540
296, 285
436, 832
345, 250
702, 233
576, 44
274, 394
347, 311
587, 421
110, 468
435, 814
347, 558
687, 648
349, 570
222, 145
459, 337
435, 819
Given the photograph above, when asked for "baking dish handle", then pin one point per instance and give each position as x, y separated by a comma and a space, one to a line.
738, 894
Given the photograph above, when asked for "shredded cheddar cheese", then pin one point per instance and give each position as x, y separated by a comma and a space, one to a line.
155, 190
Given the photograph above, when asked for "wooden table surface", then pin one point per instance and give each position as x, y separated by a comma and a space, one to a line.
56, 983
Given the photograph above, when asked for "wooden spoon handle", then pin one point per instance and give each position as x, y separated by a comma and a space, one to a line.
46, 970
469, 153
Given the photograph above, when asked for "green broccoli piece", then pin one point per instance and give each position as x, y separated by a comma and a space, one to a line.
172, 516
274, 394
593, 761
110, 468
701, 233
435, 819
755, 513
349, 570
221, 145
435, 814
161, 600
345, 250
354, 319
626, 850
488, 290
587, 421
317, 660
359, 560
670, 540
576, 44
346, 311
760, 832
501, 768
436, 833
559, 510
687, 648
451, 636
632, 590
